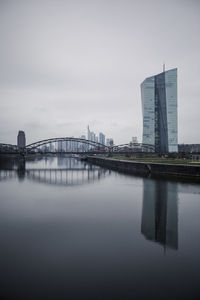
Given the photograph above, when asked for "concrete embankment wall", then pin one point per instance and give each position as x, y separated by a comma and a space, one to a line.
145, 168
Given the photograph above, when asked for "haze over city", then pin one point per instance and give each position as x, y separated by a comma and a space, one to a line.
67, 64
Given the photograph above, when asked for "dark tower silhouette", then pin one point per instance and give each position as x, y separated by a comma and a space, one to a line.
21, 139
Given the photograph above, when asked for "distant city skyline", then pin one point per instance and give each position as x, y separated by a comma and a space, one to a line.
67, 64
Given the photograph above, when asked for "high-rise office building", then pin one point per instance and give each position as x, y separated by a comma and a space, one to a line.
21, 139
159, 108
101, 138
88, 133
92, 136
109, 142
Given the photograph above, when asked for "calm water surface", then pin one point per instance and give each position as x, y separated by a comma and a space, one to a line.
69, 230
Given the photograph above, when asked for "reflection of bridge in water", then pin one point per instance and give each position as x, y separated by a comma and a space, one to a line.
59, 176
66, 177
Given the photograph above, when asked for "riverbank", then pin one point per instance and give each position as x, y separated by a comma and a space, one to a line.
148, 168
156, 159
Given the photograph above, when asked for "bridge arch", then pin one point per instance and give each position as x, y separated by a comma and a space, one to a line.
40, 143
96, 146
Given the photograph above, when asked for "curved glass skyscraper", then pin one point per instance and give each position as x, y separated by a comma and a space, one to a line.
159, 108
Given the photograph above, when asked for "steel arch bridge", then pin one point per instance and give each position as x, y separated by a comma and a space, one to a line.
90, 146
40, 143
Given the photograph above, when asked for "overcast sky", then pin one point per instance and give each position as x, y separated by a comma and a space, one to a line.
65, 64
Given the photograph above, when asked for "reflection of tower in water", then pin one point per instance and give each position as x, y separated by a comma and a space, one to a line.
160, 213
21, 167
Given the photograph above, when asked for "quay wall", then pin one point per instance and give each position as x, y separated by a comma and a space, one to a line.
147, 168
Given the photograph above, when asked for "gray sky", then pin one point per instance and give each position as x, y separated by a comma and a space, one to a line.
65, 64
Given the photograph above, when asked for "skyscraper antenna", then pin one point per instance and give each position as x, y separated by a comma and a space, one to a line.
163, 67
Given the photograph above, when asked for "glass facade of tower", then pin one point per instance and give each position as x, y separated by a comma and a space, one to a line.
159, 107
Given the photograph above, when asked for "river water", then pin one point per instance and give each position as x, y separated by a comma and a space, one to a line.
70, 230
